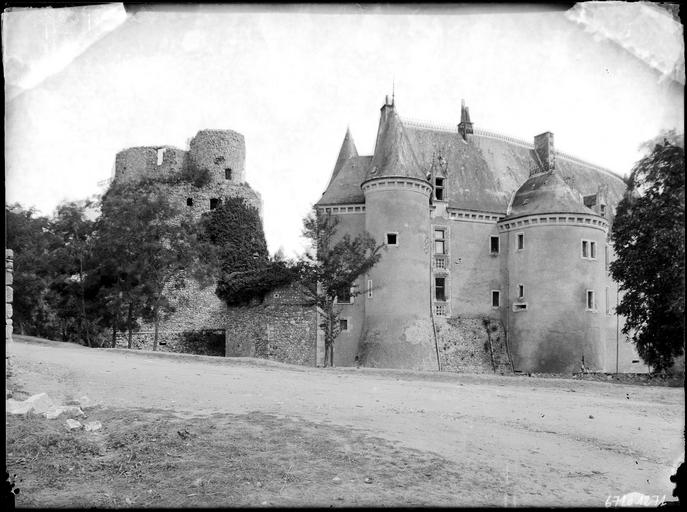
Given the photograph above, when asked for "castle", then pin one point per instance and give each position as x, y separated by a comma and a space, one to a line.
496, 253
223, 154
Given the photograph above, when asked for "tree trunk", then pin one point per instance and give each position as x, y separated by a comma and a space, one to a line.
157, 325
128, 322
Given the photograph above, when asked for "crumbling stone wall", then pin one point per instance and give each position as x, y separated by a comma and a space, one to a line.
282, 328
471, 345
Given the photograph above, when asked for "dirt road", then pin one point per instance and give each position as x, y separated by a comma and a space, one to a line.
527, 441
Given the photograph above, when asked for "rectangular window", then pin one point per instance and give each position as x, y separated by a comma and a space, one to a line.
519, 307
521, 241
392, 239
521, 291
588, 250
439, 189
440, 288
494, 245
495, 299
591, 300
439, 241
227, 173
343, 324
369, 288
189, 201
344, 296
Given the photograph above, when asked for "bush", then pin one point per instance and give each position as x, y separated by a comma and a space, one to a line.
204, 343
240, 288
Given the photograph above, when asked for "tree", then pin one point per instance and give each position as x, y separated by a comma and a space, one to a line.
146, 247
648, 238
73, 232
332, 267
30, 238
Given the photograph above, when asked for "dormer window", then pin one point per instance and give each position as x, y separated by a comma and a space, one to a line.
439, 189
602, 209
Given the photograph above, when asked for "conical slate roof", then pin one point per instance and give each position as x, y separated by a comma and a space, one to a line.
393, 154
347, 151
546, 193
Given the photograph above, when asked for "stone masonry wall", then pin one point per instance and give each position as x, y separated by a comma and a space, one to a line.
467, 345
283, 328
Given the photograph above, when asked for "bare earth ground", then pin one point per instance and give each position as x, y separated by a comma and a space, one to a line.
185, 430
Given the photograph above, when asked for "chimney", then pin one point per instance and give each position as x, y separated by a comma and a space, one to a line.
465, 125
543, 146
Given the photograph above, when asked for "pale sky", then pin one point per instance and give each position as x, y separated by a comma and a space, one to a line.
291, 79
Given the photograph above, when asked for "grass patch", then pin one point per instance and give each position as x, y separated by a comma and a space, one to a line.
151, 458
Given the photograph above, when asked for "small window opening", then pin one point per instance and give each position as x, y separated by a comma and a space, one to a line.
602, 209
521, 291
585, 249
189, 201
591, 300
495, 298
439, 241
592, 250
439, 189
440, 288
521, 241
162, 343
343, 324
519, 307
392, 239
343, 295
227, 173
369, 288
214, 203
635, 361
494, 245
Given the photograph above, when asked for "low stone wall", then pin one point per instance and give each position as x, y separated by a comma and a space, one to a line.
467, 345
282, 328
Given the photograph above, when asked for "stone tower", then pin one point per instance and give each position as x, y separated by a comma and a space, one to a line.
398, 330
555, 278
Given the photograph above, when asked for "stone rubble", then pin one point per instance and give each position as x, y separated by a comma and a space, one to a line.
73, 424
92, 426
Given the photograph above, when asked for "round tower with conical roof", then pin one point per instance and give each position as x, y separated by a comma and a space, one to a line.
555, 275
398, 330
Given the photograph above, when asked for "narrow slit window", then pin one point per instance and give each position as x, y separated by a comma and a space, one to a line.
495, 299
439, 189
439, 241
494, 245
392, 239
227, 173
369, 288
591, 300
592, 250
521, 291
585, 249
521, 241
440, 288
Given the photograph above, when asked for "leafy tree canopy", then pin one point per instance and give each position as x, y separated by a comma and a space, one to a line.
649, 240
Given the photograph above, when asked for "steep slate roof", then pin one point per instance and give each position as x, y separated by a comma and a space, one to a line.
344, 188
546, 193
393, 155
348, 150
483, 172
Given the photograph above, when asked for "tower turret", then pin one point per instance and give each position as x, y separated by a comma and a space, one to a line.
465, 125
347, 151
555, 278
398, 332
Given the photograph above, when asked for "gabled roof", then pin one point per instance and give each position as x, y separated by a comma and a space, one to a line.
393, 155
546, 193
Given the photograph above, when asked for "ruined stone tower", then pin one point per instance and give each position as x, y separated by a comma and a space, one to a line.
222, 153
